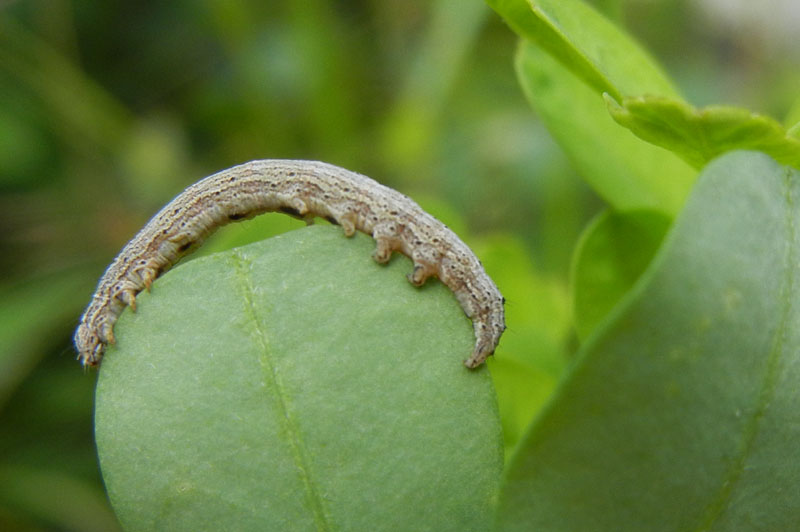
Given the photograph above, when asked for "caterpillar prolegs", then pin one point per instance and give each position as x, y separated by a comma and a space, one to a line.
304, 189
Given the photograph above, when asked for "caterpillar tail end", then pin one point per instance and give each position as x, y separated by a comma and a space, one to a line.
479, 355
488, 330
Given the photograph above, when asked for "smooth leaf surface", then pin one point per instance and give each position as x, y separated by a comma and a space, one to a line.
623, 170
294, 384
613, 252
700, 135
588, 44
681, 414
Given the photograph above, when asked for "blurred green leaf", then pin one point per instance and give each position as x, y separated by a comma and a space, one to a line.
21, 146
155, 159
699, 135
30, 315
588, 44
295, 384
533, 352
613, 252
537, 307
522, 391
249, 231
84, 114
413, 124
324, 73
627, 173
61, 501
612, 9
682, 413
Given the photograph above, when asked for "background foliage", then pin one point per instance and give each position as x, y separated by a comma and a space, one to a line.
107, 109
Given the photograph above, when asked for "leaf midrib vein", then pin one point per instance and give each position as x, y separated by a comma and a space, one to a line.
272, 375
768, 386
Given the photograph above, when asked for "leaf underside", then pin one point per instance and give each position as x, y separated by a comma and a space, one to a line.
613, 252
681, 412
626, 172
592, 47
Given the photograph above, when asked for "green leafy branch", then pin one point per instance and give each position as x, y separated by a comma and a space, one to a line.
294, 384
678, 411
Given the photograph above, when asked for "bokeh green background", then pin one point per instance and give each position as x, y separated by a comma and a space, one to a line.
110, 108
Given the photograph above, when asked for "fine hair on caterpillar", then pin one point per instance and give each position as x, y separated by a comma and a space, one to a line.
304, 189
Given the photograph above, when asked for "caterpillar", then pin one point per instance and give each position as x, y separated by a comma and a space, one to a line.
303, 189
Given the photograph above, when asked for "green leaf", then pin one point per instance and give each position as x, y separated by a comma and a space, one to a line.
248, 231
623, 170
62, 501
294, 384
522, 391
537, 307
533, 352
699, 135
588, 44
681, 414
613, 252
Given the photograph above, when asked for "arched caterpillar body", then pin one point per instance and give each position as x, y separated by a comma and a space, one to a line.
303, 189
